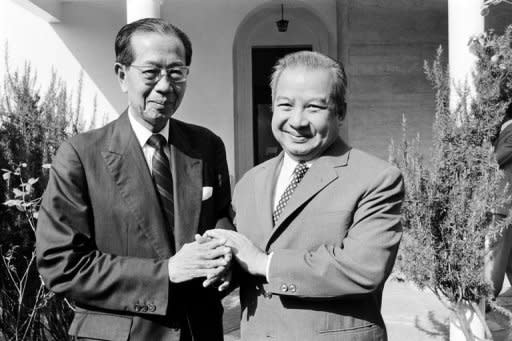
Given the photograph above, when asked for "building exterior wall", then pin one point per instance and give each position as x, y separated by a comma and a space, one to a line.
387, 43
499, 17
383, 44
28, 38
212, 27
88, 29
258, 29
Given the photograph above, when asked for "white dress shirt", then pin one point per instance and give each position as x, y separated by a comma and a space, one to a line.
143, 134
285, 177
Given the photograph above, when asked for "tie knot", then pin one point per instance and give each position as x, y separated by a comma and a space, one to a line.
157, 141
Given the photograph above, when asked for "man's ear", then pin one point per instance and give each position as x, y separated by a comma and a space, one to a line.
342, 112
120, 71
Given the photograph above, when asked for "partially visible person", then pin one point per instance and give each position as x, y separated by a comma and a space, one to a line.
499, 256
119, 221
318, 226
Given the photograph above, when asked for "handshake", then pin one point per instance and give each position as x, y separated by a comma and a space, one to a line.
211, 255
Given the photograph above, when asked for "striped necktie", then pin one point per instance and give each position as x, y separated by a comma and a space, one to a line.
162, 178
298, 173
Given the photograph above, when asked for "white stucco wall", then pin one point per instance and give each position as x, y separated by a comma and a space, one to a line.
31, 39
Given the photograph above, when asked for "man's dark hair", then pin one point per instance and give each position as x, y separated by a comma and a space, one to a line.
123, 48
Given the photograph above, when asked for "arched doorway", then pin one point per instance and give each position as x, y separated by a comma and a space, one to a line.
258, 37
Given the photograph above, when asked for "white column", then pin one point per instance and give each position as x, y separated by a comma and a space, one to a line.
138, 9
464, 21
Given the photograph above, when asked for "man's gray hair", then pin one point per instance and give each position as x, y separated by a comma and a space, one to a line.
315, 60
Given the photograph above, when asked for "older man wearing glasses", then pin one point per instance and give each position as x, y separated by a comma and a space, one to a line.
119, 225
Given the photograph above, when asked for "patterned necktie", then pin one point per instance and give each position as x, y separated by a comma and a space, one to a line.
162, 177
298, 174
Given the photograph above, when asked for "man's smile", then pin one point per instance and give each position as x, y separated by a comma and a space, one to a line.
296, 136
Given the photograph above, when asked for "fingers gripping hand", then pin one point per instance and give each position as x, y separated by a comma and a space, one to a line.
220, 276
226, 280
200, 258
250, 257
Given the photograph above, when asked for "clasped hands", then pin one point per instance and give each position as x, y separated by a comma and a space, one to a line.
210, 257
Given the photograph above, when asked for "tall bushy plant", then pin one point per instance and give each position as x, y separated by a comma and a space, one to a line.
32, 126
450, 196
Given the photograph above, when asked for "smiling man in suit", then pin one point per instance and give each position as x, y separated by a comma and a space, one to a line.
319, 225
119, 221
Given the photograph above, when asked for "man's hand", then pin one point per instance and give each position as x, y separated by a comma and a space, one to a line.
223, 277
250, 257
199, 259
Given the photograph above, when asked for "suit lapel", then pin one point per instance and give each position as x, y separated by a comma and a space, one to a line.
187, 170
264, 184
320, 175
130, 172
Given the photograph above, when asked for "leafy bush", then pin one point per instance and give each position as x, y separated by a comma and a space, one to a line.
28, 310
32, 127
450, 196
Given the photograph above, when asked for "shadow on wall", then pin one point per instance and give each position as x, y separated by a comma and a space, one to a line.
88, 29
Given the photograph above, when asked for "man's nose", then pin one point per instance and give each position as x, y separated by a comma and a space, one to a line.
297, 118
164, 85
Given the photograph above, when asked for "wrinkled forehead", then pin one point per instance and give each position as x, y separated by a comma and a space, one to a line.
150, 45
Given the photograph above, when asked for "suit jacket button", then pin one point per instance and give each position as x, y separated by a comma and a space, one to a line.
151, 308
284, 288
267, 294
292, 288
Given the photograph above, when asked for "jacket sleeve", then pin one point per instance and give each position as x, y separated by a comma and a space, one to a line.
70, 263
363, 261
223, 186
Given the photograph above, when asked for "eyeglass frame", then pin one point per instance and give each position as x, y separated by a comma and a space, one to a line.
163, 70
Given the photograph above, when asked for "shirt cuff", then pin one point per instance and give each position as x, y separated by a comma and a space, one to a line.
267, 268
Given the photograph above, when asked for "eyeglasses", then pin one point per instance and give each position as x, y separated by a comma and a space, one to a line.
153, 74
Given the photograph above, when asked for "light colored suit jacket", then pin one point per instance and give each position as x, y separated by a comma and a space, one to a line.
333, 248
102, 241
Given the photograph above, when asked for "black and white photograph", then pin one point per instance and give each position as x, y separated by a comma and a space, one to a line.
256, 170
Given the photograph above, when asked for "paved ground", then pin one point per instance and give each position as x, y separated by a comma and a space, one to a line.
409, 313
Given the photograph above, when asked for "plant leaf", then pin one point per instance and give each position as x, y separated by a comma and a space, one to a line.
18, 193
12, 202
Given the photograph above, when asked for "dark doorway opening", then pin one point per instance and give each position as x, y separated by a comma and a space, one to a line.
263, 60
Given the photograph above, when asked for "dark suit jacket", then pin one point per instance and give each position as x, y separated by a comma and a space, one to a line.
101, 239
333, 247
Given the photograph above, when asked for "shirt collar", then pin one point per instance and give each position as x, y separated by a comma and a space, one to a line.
290, 164
142, 133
